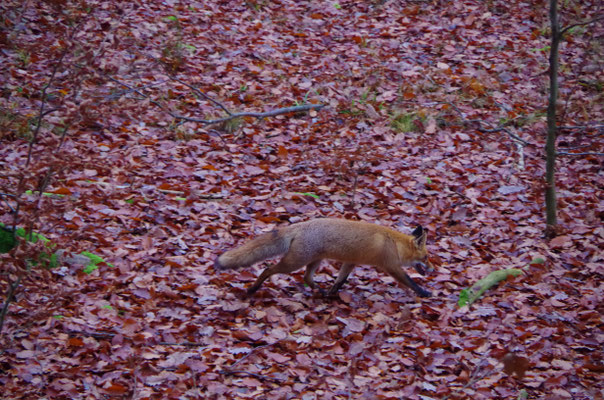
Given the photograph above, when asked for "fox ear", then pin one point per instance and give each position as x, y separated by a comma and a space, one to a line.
419, 234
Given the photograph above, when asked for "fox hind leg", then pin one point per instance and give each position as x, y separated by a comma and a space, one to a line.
341, 279
288, 264
310, 273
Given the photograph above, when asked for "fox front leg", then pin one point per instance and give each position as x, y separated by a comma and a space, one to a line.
397, 273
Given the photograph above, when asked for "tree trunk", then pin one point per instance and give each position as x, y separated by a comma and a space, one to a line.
550, 146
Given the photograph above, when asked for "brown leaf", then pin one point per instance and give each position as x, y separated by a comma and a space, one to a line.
515, 364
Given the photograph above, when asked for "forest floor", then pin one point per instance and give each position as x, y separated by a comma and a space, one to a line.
434, 115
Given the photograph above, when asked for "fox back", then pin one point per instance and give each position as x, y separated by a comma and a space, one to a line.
356, 242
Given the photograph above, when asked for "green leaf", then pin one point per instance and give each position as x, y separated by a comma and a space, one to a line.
54, 261
537, 260
107, 307
92, 257
470, 295
308, 194
464, 297
172, 18
90, 268
7, 239
94, 260
428, 180
45, 194
58, 317
34, 236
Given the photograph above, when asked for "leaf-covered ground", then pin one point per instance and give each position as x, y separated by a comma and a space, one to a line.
435, 115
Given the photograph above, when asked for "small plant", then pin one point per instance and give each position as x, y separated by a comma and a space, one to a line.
183, 133
173, 55
23, 57
352, 110
256, 5
231, 125
407, 122
14, 125
94, 260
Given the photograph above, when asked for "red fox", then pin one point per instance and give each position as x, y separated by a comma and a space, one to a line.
307, 243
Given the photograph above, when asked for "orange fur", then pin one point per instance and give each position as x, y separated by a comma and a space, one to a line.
352, 242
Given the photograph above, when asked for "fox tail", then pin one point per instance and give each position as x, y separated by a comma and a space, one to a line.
264, 246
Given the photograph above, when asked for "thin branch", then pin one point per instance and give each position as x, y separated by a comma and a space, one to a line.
201, 94
96, 335
258, 115
473, 379
109, 335
591, 21
49, 111
42, 113
566, 153
63, 136
143, 95
4, 196
125, 92
506, 130
576, 147
9, 297
185, 344
454, 107
481, 129
252, 351
253, 375
476, 375
570, 127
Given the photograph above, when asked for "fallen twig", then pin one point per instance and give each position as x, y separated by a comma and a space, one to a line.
473, 379
591, 21
506, 130
202, 94
253, 375
566, 153
231, 371
125, 92
570, 127
258, 115
185, 344
486, 130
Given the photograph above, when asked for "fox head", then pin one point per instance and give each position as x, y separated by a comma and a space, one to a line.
421, 261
